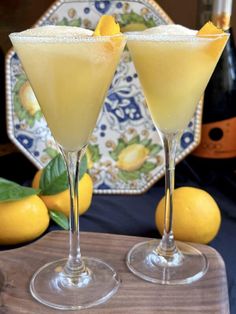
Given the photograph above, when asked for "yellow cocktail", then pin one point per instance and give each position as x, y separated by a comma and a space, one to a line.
174, 70
70, 77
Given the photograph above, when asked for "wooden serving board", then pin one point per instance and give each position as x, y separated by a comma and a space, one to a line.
135, 296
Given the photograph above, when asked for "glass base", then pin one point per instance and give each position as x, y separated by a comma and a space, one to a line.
186, 266
94, 286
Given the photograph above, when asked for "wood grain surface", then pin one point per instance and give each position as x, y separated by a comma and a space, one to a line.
135, 296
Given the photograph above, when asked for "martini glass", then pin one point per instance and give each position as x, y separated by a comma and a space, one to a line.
70, 73
174, 70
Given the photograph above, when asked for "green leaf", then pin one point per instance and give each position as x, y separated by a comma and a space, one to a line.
122, 176
150, 22
119, 147
11, 191
64, 21
146, 142
54, 177
147, 167
38, 115
76, 22
134, 140
94, 151
51, 152
30, 120
154, 149
21, 76
59, 218
18, 84
132, 17
129, 176
19, 110
124, 19
136, 18
113, 155
83, 166
121, 144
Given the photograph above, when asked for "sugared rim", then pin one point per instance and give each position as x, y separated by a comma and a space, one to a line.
137, 36
19, 36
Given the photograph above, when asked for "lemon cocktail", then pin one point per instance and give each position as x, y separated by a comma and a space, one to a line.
70, 70
174, 65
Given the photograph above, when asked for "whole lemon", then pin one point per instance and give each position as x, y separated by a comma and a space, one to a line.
22, 220
196, 216
61, 201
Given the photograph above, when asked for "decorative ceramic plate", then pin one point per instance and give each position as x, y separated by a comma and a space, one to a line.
125, 153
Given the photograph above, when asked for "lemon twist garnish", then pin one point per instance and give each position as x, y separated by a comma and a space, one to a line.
107, 26
209, 29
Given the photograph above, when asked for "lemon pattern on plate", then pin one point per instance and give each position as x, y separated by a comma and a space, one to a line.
135, 157
25, 103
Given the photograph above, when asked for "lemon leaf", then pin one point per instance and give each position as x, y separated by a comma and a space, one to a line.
38, 115
95, 154
146, 142
83, 166
18, 85
147, 167
52, 152
129, 176
11, 191
119, 147
63, 22
154, 149
114, 155
59, 218
134, 18
76, 22
134, 140
54, 176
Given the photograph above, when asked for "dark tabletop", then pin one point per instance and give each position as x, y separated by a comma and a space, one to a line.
134, 215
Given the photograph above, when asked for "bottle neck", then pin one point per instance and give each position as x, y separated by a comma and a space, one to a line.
222, 10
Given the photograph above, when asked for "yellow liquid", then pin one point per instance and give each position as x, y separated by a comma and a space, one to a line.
173, 75
70, 81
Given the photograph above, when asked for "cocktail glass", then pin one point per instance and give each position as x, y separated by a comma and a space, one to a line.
70, 75
173, 70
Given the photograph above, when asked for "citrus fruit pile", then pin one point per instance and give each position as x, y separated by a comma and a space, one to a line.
25, 212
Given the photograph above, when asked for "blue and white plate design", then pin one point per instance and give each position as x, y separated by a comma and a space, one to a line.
125, 153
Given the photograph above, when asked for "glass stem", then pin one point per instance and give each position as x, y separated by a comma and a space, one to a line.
167, 246
74, 265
